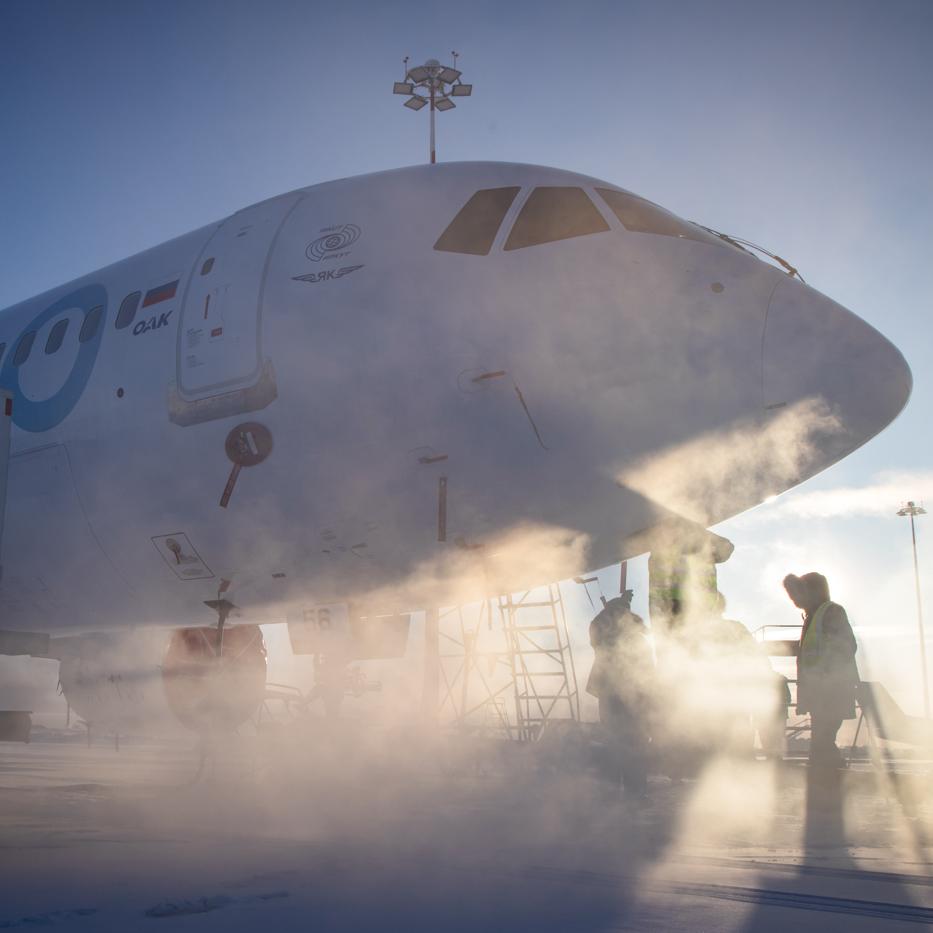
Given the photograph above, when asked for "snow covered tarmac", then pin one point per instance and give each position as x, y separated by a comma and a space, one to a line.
322, 835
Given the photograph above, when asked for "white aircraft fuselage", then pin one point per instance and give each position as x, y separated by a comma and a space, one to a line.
344, 391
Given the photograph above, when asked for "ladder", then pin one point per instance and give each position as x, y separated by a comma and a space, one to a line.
541, 660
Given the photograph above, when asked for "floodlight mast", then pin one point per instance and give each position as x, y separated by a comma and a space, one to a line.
433, 109
913, 510
439, 83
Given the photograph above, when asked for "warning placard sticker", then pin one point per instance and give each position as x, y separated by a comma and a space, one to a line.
179, 553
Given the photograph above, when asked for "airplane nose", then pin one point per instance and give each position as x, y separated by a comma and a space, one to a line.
816, 349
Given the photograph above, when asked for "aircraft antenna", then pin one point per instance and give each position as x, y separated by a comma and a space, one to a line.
432, 84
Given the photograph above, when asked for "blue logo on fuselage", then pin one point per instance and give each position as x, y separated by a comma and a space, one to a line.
47, 413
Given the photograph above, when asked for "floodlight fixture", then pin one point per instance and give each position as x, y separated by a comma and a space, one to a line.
437, 84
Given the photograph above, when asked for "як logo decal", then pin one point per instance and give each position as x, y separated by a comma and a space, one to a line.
326, 275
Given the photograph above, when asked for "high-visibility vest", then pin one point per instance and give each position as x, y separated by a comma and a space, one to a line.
811, 644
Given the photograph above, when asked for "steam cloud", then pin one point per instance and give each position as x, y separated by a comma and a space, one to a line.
722, 472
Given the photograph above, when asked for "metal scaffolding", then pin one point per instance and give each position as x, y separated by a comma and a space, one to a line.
513, 648
474, 670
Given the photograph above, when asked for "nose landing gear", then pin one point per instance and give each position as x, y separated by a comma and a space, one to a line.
215, 677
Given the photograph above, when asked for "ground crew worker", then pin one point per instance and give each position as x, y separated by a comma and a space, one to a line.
827, 675
726, 654
621, 679
716, 680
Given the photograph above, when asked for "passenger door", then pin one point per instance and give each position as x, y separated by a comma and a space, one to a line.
221, 369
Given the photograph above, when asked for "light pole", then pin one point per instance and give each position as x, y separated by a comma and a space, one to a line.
437, 84
913, 510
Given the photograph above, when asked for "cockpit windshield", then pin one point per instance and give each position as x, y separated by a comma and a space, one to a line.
476, 225
641, 216
552, 213
549, 214
555, 214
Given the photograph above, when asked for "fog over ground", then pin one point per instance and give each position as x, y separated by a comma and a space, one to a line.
345, 827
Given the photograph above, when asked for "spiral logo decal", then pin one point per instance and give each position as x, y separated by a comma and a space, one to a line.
334, 241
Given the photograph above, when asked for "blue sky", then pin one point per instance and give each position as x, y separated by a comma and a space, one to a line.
805, 127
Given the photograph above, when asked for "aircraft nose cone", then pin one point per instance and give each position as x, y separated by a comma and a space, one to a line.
816, 349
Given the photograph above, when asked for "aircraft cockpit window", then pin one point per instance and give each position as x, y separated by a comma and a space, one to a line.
2, 350
56, 336
127, 310
473, 230
24, 348
555, 214
641, 216
90, 325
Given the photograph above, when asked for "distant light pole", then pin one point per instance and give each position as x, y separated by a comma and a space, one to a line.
438, 84
913, 510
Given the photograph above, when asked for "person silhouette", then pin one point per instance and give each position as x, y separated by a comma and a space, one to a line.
621, 679
827, 675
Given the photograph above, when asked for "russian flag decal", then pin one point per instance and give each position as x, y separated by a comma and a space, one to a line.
161, 293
